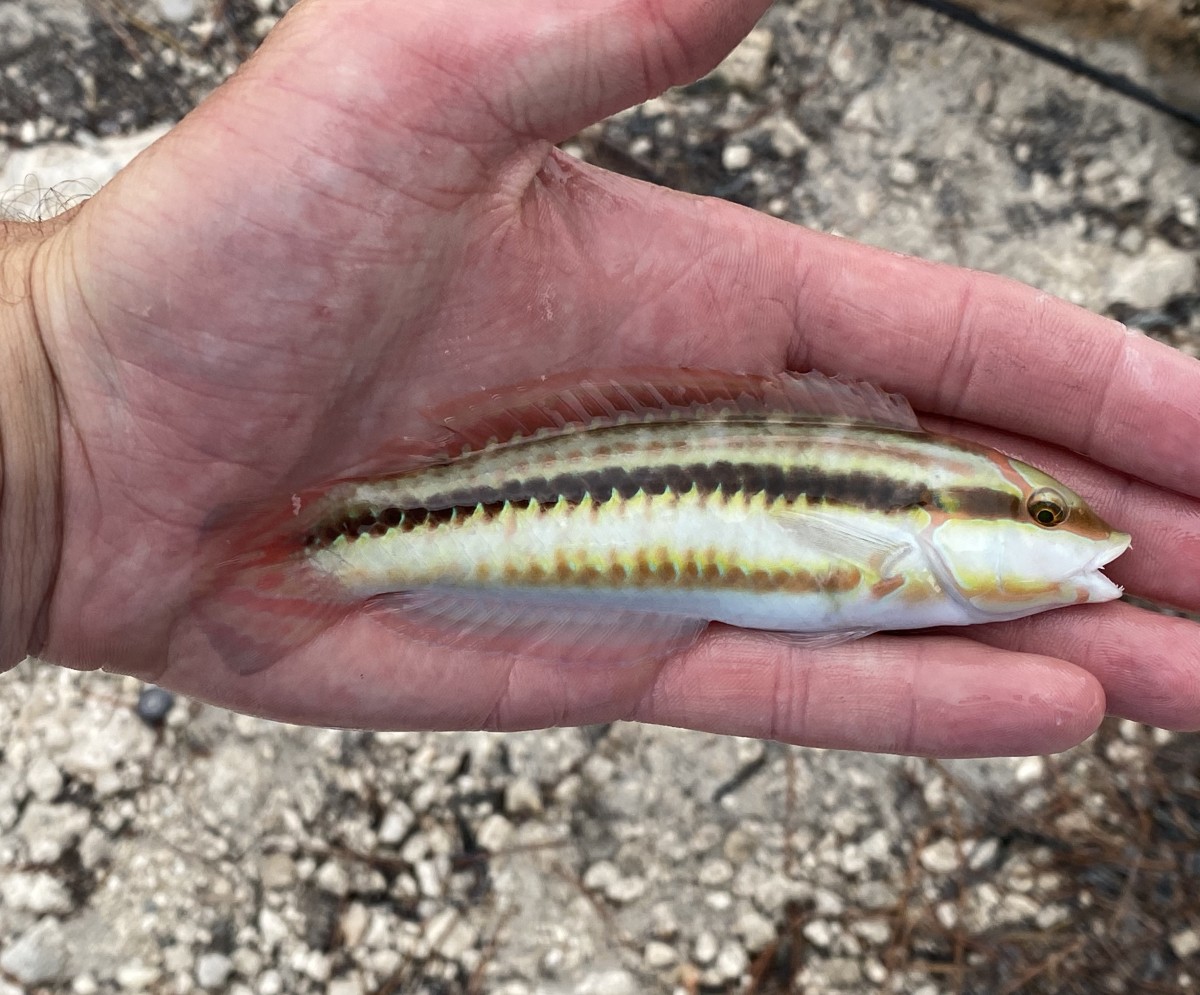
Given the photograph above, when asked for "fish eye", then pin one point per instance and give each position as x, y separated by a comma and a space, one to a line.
1047, 507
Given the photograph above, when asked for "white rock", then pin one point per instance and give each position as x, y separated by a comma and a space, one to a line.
942, 857
247, 962
43, 779
982, 853
828, 903
396, 823
37, 956
277, 871
876, 931
786, 137
346, 986
94, 848
522, 797
37, 892
877, 846
1030, 769
271, 928
315, 965
818, 933
1185, 943
736, 155
213, 970
84, 984
611, 982
136, 976
270, 983
333, 878
1017, 908
354, 923
715, 872
48, 830
177, 11
601, 875
755, 930
852, 860
842, 972
450, 934
705, 949
1051, 916
903, 173
429, 878
625, 890
731, 962
660, 955
495, 833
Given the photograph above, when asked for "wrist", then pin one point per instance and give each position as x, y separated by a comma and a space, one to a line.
29, 447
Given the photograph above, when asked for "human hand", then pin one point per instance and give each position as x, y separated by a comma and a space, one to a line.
371, 218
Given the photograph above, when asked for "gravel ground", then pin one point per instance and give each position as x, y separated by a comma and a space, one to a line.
218, 853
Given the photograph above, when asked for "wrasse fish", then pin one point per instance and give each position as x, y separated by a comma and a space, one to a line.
614, 518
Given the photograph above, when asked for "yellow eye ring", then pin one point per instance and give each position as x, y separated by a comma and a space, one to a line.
1047, 507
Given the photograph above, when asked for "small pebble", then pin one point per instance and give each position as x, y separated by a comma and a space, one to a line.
38, 956
755, 930
213, 970
942, 857
494, 833
277, 871
705, 949
177, 11
396, 823
522, 797
736, 156
43, 779
903, 173
625, 890
154, 704
660, 955
270, 983
1185, 943
818, 933
333, 878
136, 976
731, 962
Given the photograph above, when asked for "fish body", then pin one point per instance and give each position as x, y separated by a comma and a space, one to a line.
617, 518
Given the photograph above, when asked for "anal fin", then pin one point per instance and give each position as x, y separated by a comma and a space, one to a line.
528, 624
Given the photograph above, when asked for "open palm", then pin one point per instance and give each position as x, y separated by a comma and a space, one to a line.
371, 218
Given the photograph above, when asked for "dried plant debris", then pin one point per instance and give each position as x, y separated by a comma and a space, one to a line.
1167, 31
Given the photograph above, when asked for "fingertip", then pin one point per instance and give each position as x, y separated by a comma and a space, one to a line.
1147, 664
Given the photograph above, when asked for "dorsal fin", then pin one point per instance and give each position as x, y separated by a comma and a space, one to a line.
558, 403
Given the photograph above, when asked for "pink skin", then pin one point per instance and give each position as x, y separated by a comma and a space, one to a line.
371, 219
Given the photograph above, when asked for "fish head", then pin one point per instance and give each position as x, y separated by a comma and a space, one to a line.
1046, 552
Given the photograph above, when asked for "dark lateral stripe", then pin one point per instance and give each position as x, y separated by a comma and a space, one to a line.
875, 492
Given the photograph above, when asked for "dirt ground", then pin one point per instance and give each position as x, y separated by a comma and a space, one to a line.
225, 854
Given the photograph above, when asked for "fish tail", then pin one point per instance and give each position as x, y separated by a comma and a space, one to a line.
261, 599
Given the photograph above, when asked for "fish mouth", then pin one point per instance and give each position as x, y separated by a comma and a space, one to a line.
1091, 578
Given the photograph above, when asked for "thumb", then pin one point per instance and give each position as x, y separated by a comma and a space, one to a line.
569, 64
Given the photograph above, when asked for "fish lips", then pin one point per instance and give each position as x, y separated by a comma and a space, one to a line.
1091, 579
